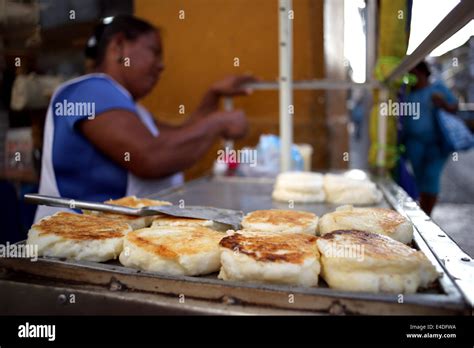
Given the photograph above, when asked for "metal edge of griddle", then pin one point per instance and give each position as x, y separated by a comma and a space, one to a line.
438, 246
312, 300
27, 297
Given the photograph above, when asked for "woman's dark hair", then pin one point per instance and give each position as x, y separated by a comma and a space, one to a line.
423, 68
130, 26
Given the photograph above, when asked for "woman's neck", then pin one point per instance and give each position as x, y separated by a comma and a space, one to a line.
113, 74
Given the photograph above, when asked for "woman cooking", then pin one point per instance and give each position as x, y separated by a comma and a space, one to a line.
100, 144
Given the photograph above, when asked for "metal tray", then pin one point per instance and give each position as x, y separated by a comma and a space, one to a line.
450, 296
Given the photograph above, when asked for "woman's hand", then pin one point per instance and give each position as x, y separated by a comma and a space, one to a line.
438, 100
230, 86
233, 85
233, 124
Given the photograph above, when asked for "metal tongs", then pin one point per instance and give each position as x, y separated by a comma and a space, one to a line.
223, 216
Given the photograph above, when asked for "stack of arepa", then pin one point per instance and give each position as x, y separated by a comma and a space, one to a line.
174, 250
78, 237
269, 257
302, 187
375, 220
275, 246
310, 187
371, 262
135, 222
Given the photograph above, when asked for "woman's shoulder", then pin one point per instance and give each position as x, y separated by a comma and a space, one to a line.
441, 88
98, 88
438, 85
93, 83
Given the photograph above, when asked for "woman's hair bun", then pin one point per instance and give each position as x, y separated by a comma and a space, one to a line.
92, 43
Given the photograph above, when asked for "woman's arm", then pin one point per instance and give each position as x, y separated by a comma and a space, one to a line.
440, 102
121, 136
230, 86
208, 105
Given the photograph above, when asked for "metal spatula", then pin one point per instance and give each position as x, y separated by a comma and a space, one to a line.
224, 216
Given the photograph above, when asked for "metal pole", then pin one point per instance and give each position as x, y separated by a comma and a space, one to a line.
315, 84
370, 60
382, 132
455, 20
371, 48
285, 82
228, 106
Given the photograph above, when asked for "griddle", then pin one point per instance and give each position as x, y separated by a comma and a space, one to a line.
452, 294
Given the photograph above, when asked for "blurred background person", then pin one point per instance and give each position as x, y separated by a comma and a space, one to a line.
422, 137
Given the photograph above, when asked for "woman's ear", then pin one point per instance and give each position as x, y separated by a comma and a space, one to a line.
116, 46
